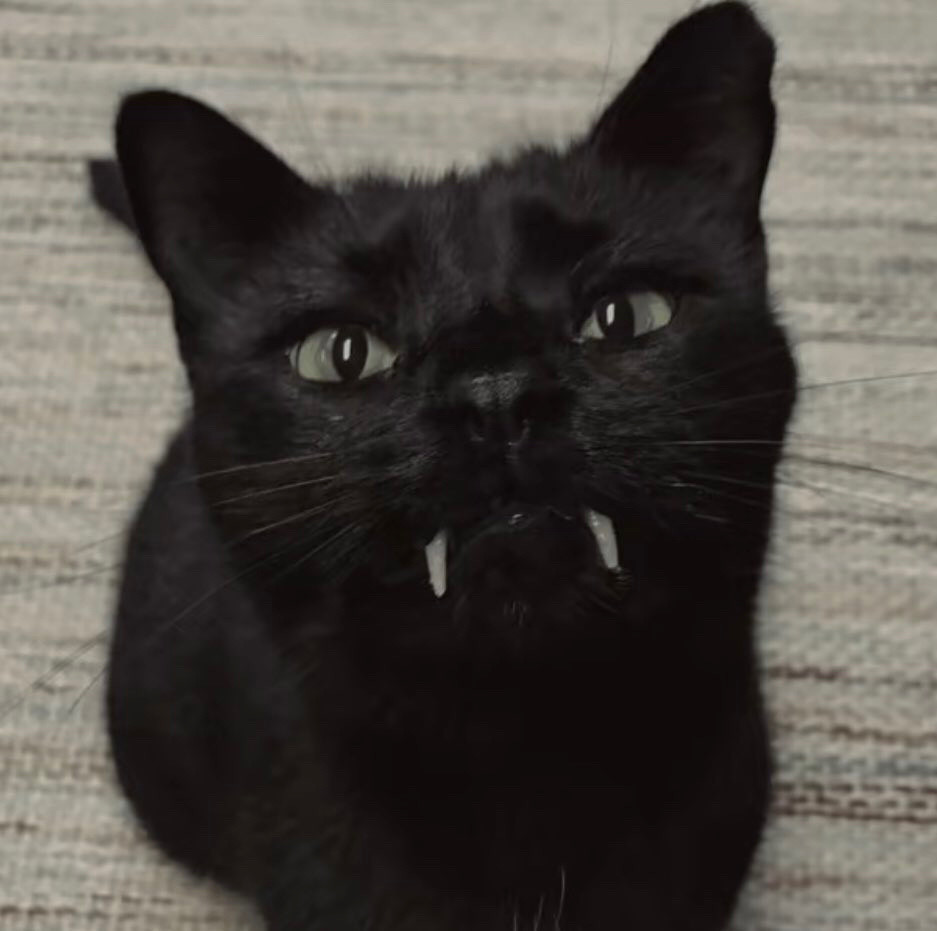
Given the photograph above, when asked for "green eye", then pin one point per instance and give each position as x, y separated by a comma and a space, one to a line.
624, 317
341, 354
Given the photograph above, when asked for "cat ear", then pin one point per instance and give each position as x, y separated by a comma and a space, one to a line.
700, 103
208, 200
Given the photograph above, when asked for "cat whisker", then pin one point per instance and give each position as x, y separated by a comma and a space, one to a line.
306, 124
799, 483
727, 479
824, 491
791, 457
890, 446
319, 632
889, 505
759, 357
862, 467
329, 542
93, 543
731, 496
167, 626
288, 460
611, 29
275, 489
289, 519
58, 582
347, 477
58, 667
739, 365
781, 392
300, 112
794, 440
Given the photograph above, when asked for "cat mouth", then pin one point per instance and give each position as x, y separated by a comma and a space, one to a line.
439, 548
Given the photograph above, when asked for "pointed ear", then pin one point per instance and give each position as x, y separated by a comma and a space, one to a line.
700, 103
208, 200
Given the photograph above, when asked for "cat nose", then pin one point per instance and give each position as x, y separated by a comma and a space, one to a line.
495, 408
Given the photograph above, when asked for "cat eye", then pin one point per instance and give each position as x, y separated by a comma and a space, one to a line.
346, 353
624, 317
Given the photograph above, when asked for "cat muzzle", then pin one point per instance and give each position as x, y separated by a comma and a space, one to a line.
439, 548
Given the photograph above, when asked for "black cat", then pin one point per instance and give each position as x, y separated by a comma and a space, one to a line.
439, 612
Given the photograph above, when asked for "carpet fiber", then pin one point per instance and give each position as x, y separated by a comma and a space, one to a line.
90, 387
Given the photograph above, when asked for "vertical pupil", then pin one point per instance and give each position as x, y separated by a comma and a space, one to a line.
349, 352
616, 319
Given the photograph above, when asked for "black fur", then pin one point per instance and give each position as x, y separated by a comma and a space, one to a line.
551, 744
108, 191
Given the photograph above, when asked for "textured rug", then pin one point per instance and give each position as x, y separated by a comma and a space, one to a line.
90, 387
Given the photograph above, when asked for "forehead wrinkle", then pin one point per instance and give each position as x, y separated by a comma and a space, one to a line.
447, 278
548, 241
551, 239
384, 264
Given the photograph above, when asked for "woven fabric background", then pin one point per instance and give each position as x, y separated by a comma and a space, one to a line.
90, 387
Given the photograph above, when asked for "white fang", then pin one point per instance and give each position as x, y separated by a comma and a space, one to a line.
604, 532
436, 562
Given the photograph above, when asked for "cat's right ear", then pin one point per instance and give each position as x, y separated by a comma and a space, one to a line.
700, 104
208, 200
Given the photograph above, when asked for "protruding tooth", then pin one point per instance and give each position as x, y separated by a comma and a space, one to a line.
604, 531
436, 562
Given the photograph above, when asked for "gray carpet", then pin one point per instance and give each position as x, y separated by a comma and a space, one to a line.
90, 387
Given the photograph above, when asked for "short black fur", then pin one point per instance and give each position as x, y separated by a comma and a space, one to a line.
551, 744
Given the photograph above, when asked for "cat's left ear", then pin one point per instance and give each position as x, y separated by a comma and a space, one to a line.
701, 103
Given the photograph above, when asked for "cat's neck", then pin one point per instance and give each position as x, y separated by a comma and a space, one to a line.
585, 721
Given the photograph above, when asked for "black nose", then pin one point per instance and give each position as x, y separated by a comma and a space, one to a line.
488, 407
502, 408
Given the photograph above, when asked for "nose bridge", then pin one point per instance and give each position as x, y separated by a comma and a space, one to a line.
495, 377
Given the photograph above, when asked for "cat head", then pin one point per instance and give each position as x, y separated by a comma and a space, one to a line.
526, 407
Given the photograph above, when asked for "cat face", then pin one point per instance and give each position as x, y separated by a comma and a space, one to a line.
516, 409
